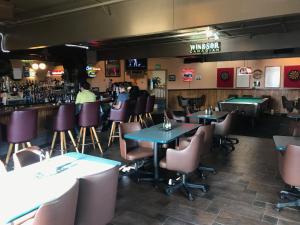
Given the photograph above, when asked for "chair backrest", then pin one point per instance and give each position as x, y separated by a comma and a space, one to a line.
125, 144
97, 198
183, 102
296, 132
59, 211
65, 118
208, 131
89, 114
150, 104
289, 165
27, 156
2, 167
140, 105
121, 114
223, 128
22, 126
186, 160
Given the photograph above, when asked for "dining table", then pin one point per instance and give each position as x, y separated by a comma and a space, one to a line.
202, 115
281, 142
25, 189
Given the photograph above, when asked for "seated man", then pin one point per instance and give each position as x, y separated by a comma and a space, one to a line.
84, 95
123, 96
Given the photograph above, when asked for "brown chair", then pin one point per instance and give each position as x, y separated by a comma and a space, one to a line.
208, 131
222, 132
182, 102
27, 156
2, 167
185, 161
134, 151
64, 122
60, 211
140, 108
296, 132
150, 106
118, 116
97, 198
21, 129
288, 105
89, 117
289, 168
171, 116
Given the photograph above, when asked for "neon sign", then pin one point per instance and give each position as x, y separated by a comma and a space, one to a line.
207, 47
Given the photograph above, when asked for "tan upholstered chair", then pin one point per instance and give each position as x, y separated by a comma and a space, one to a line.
27, 156
289, 168
171, 116
134, 151
184, 162
97, 198
60, 211
222, 132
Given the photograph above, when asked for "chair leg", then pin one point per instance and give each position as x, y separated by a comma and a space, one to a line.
16, 147
130, 117
23, 145
10, 149
53, 143
150, 116
97, 140
72, 139
112, 130
61, 142
79, 137
83, 140
65, 141
28, 144
92, 137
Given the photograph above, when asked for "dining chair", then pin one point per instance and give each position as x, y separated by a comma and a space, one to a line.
289, 168
27, 156
134, 152
184, 162
59, 211
97, 198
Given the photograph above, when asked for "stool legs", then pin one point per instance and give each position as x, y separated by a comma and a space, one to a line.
63, 141
14, 148
113, 134
94, 136
10, 149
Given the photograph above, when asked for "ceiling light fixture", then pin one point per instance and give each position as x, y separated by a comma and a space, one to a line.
35, 66
2, 43
42, 66
77, 46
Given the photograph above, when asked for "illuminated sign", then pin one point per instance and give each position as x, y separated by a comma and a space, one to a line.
91, 71
57, 72
187, 75
207, 47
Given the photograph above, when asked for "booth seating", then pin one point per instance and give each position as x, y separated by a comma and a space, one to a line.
89, 117
27, 156
118, 116
64, 122
185, 161
21, 129
289, 168
132, 151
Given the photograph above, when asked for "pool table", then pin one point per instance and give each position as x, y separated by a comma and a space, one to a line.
244, 105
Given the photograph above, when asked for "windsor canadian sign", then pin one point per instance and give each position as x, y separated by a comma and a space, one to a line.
206, 47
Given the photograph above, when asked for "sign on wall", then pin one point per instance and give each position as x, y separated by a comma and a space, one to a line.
292, 76
187, 75
206, 47
272, 76
225, 77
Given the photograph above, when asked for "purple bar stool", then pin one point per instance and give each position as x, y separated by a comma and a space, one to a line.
21, 129
89, 118
64, 122
118, 116
150, 106
140, 108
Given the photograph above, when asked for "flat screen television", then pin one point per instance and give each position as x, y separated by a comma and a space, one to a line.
136, 64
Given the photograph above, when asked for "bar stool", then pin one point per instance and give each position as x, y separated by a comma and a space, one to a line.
89, 118
132, 103
150, 106
64, 122
118, 116
21, 129
140, 108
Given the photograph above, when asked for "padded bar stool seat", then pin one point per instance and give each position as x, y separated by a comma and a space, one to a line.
21, 129
64, 122
140, 109
89, 118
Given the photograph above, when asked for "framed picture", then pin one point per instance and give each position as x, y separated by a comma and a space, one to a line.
272, 77
112, 68
242, 80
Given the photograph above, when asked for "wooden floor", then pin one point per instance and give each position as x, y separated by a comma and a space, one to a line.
243, 192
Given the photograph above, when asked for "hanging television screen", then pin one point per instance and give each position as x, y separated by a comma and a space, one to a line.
136, 64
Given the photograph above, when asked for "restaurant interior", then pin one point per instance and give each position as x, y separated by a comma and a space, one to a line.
161, 112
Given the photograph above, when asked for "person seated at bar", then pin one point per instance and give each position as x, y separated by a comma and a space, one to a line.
84, 95
122, 97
